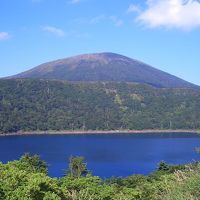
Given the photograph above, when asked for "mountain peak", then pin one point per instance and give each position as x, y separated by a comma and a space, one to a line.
105, 66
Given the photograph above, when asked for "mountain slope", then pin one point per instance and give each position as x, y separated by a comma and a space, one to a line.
104, 67
32, 105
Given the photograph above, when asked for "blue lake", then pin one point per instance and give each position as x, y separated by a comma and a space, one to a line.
106, 154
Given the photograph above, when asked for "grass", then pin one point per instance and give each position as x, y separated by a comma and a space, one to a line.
185, 186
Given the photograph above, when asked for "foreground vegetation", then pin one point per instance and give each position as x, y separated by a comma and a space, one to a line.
27, 179
40, 105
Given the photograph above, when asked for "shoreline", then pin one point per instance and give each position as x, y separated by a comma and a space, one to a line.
91, 132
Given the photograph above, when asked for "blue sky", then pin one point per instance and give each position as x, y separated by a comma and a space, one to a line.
162, 33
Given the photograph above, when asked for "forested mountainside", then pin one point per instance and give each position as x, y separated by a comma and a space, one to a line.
104, 67
31, 105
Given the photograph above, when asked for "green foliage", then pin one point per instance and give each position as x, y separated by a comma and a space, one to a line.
80, 183
2, 195
32, 164
185, 185
39, 187
18, 182
163, 166
40, 105
77, 166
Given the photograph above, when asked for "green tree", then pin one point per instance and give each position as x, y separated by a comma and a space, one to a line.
163, 166
32, 164
77, 166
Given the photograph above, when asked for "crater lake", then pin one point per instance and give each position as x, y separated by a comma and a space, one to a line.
106, 154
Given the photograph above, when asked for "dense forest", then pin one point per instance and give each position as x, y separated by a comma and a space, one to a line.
27, 179
33, 105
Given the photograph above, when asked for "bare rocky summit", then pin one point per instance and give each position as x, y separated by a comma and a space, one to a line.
104, 67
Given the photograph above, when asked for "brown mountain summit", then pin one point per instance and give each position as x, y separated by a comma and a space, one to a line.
104, 67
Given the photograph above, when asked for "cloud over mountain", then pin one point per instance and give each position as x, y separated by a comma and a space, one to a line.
180, 14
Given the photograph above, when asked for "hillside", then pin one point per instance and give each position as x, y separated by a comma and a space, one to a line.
104, 67
59, 105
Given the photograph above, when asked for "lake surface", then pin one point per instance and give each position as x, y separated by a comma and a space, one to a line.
106, 154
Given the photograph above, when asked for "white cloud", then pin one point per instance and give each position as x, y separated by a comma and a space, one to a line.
181, 14
4, 36
97, 19
54, 30
69, 34
133, 8
116, 21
